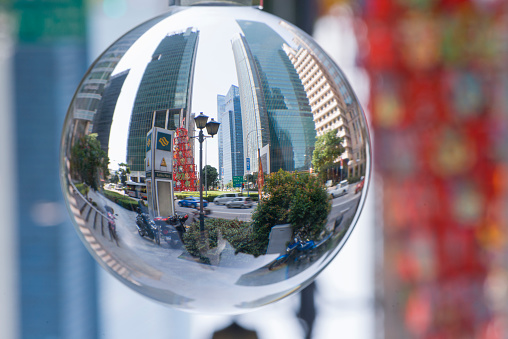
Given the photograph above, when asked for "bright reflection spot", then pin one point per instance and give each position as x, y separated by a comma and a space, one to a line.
48, 213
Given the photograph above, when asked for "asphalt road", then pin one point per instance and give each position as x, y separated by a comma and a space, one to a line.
221, 211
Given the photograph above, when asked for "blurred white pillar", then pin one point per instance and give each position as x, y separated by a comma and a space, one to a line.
9, 326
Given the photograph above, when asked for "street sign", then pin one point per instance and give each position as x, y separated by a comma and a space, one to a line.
248, 164
159, 171
237, 181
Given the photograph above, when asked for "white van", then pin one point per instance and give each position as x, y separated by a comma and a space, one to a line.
224, 198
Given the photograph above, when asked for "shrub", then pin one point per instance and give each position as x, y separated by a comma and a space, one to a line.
237, 233
295, 198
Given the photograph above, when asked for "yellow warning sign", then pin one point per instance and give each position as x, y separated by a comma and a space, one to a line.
163, 163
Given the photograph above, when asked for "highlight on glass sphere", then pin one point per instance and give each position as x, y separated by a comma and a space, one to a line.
242, 104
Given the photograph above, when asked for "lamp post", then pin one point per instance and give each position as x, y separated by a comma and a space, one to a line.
212, 127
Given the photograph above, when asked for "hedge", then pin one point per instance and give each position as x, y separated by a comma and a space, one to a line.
122, 200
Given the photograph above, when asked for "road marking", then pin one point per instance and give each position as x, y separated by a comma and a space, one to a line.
232, 212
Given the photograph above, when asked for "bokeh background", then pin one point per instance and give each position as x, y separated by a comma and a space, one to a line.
428, 258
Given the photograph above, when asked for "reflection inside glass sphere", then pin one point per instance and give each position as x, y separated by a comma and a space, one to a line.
282, 143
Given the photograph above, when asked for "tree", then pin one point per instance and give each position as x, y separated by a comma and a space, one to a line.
296, 198
122, 172
327, 150
89, 163
252, 178
210, 176
115, 178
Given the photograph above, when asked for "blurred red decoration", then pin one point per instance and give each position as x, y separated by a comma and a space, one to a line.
438, 104
184, 170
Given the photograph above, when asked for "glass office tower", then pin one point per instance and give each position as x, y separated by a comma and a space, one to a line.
57, 291
221, 107
164, 94
231, 136
274, 103
104, 116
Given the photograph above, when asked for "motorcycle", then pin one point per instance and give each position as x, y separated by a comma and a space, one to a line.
146, 227
296, 251
172, 229
111, 223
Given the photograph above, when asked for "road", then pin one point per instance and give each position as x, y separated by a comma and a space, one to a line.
221, 211
341, 206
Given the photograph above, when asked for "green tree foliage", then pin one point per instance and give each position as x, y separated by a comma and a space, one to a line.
327, 150
89, 163
295, 198
212, 176
115, 178
122, 172
252, 178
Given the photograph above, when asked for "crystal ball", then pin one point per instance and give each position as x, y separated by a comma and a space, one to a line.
215, 159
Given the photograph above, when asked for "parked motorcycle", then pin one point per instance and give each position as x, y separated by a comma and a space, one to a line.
296, 251
110, 214
147, 227
172, 229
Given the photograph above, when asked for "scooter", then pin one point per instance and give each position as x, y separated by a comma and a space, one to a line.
147, 227
172, 229
296, 250
110, 214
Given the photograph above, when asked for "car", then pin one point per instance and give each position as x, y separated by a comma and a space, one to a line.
240, 202
359, 186
224, 198
340, 189
191, 202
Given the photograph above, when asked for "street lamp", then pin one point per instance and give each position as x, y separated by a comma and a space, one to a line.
212, 127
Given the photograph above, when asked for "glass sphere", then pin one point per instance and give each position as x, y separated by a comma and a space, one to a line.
272, 121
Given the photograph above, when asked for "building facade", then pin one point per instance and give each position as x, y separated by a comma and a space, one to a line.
221, 107
104, 116
164, 95
89, 95
231, 134
275, 108
330, 99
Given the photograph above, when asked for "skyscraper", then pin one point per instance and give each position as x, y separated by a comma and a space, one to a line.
275, 107
231, 136
104, 116
90, 93
330, 98
221, 107
164, 94
57, 276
